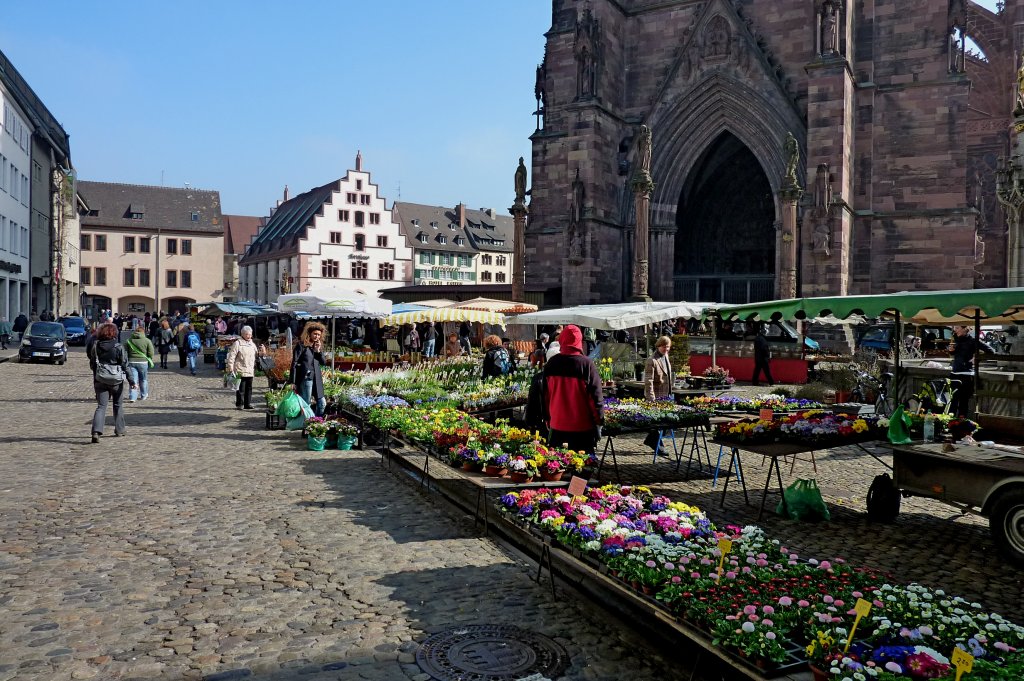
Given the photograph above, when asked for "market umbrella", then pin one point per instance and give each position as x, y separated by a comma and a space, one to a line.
493, 305
334, 303
446, 314
614, 317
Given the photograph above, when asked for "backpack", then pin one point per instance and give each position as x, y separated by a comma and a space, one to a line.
502, 362
192, 342
110, 374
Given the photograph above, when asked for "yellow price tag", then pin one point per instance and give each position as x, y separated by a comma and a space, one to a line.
862, 608
724, 546
963, 661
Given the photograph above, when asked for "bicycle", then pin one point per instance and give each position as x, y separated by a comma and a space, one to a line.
867, 384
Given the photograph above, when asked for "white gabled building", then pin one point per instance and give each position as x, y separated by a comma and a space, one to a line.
341, 235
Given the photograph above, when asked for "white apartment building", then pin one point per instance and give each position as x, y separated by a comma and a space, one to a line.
340, 235
15, 212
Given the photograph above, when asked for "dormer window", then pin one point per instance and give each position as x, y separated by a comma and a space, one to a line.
441, 239
422, 238
452, 226
415, 222
433, 225
195, 216
136, 216
460, 241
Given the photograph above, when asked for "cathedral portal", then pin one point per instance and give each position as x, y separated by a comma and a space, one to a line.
725, 243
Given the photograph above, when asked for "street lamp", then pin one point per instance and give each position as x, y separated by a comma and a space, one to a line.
45, 280
156, 250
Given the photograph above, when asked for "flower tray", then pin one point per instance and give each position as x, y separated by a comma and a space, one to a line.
796, 661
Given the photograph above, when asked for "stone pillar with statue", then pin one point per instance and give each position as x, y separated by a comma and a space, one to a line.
519, 211
643, 186
790, 194
1010, 190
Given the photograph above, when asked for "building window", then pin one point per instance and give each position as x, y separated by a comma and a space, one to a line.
100, 242
433, 225
172, 247
360, 270
424, 258
85, 242
144, 278
500, 276
502, 261
459, 241
485, 260
360, 242
382, 241
452, 226
360, 215
351, 197
364, 199
359, 184
186, 278
464, 261
86, 276
386, 270
129, 244
144, 244
186, 246
136, 216
441, 239
195, 216
485, 276
172, 279
374, 218
101, 276
330, 269
335, 237
343, 216
129, 276
422, 238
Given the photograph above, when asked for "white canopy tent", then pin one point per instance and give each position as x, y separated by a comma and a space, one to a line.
614, 317
334, 303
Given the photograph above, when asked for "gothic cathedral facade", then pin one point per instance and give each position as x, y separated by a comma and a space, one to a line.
900, 110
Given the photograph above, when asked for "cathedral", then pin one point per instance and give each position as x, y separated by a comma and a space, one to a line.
898, 112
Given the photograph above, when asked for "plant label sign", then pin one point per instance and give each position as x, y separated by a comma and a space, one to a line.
963, 661
724, 547
766, 415
577, 486
862, 608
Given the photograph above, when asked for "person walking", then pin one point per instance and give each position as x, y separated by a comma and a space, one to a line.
140, 360
762, 358
658, 372
109, 364
242, 362
5, 332
963, 347
20, 324
164, 340
465, 331
430, 337
307, 367
210, 333
496, 360
573, 401
180, 332
193, 346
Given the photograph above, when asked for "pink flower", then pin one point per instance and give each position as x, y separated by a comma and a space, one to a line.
877, 603
839, 603
670, 566
730, 617
768, 610
749, 609
761, 562
857, 594
770, 635
825, 565
802, 603
1000, 645
684, 561
852, 611
827, 598
695, 575
651, 564
767, 622
753, 618
746, 569
785, 601
730, 575
893, 667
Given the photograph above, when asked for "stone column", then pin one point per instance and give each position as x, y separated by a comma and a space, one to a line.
643, 187
1010, 193
519, 211
785, 281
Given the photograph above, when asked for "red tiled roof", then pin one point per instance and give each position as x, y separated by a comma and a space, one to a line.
239, 231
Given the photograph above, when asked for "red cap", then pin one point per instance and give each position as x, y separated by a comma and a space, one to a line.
571, 338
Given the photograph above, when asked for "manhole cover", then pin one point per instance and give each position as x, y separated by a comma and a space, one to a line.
490, 653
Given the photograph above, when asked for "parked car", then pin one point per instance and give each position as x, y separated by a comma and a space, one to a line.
879, 337
44, 340
75, 329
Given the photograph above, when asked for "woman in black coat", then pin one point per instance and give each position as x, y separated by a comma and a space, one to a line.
307, 367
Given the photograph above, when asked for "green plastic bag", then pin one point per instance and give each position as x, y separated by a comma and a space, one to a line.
289, 407
899, 427
804, 502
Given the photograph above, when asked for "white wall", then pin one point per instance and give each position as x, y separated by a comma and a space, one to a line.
15, 213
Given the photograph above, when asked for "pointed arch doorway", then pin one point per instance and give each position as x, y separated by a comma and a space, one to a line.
725, 242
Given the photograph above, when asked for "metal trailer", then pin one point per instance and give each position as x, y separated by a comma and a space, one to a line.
988, 481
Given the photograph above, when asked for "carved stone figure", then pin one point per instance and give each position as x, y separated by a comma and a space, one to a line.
575, 246
792, 151
822, 236
520, 180
829, 34
644, 146
979, 249
716, 38
822, 187
1020, 87
587, 48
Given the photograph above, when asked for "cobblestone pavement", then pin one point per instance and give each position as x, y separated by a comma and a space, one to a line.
201, 545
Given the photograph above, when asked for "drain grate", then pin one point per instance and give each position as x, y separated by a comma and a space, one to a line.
490, 653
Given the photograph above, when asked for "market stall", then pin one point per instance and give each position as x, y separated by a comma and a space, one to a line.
334, 303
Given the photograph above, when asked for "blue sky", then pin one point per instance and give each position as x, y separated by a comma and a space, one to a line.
245, 97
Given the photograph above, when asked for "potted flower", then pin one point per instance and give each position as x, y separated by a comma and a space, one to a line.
605, 367
716, 375
347, 434
316, 433
553, 465
472, 459
496, 462
521, 469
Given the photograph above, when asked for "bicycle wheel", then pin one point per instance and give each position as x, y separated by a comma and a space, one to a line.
884, 406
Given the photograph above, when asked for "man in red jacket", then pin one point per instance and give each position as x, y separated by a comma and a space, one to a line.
573, 401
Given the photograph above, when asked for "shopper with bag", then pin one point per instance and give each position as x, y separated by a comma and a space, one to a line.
165, 342
109, 364
573, 401
241, 362
193, 346
307, 366
140, 360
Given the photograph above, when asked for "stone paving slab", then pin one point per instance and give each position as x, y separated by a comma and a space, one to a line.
202, 546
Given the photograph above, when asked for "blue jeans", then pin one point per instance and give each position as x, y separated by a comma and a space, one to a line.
306, 393
138, 373
428, 347
191, 359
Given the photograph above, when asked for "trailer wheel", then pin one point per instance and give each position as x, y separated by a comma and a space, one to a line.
1006, 523
883, 499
